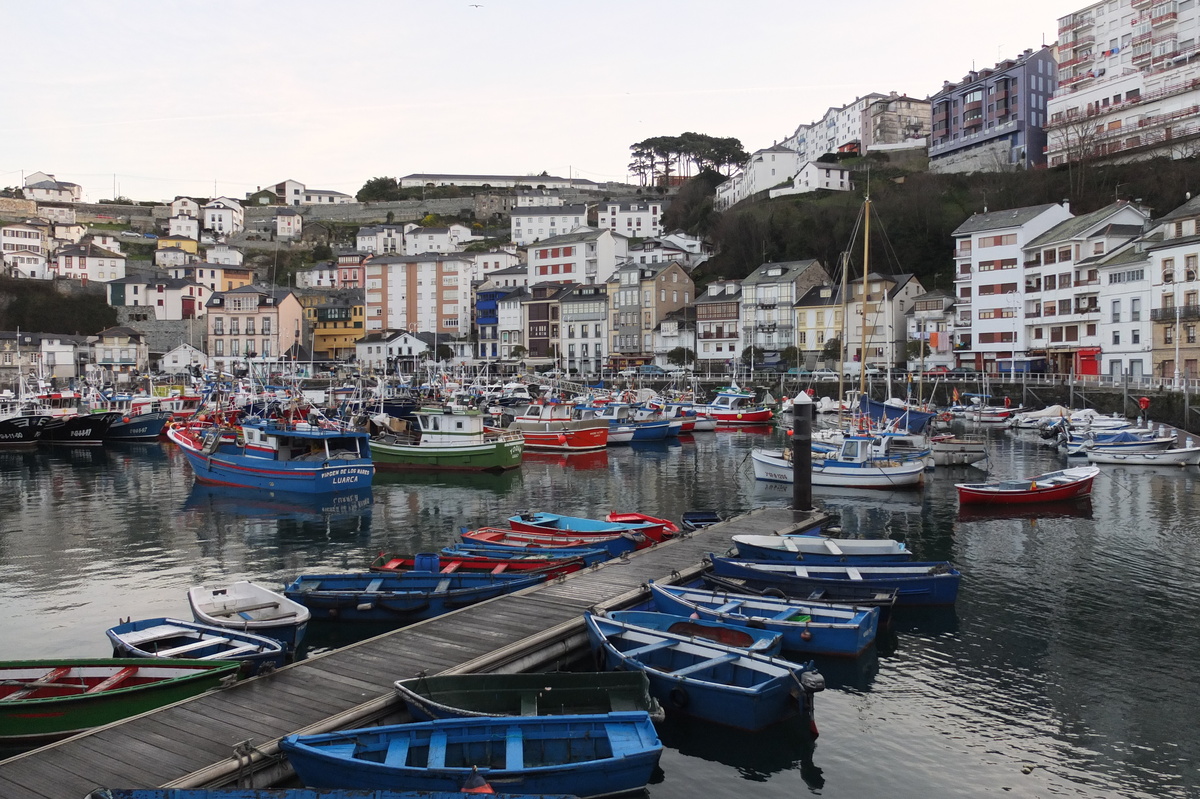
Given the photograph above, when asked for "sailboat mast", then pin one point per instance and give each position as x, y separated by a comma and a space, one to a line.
843, 341
862, 344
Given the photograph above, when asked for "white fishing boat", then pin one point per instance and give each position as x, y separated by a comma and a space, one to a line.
1176, 456
853, 466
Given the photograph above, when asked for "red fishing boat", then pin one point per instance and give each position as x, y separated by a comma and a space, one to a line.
448, 564
551, 426
1051, 486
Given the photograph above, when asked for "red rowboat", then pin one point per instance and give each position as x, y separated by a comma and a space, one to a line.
1052, 486
615, 543
532, 564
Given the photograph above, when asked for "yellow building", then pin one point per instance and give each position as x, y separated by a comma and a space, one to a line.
335, 321
185, 243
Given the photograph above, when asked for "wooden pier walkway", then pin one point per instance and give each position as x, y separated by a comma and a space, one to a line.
201, 742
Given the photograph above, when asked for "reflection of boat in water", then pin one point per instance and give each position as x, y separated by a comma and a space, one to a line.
749, 429
141, 451
756, 755
577, 461
498, 482
277, 504
1079, 508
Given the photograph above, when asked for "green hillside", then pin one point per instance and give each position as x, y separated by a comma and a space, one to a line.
35, 305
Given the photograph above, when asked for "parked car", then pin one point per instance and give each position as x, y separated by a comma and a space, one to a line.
149, 236
825, 376
962, 373
132, 234
937, 371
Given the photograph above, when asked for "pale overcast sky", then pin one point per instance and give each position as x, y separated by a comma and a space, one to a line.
167, 98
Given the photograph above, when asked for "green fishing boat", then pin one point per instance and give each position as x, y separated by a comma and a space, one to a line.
444, 439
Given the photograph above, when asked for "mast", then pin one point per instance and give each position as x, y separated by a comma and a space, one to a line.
862, 345
844, 343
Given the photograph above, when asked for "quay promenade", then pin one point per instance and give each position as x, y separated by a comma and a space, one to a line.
230, 735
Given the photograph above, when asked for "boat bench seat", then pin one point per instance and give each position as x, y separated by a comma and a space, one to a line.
728, 657
53, 676
833, 548
801, 571
232, 653
192, 647
623, 739
730, 606
113, 680
621, 704
529, 704
437, 749
514, 748
397, 751
151, 633
339, 750
442, 587
241, 610
853, 573
374, 585
646, 649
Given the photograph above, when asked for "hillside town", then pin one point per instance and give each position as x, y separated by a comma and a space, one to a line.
551, 273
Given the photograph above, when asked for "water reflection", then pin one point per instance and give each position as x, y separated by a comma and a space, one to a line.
575, 461
755, 757
1080, 509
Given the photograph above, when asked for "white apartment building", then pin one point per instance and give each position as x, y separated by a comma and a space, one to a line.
24, 238
288, 224
537, 198
930, 318
318, 276
718, 323
87, 262
1175, 293
224, 216
1060, 298
632, 218
989, 284
42, 187
171, 298
224, 254
511, 321
25, 263
380, 239
1127, 85
768, 294
452, 238
764, 170
491, 261
1126, 331
585, 256
839, 130
419, 293
535, 223
184, 225
815, 175
186, 206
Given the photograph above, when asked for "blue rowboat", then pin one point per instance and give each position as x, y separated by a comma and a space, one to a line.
292, 793
176, 638
400, 596
578, 525
705, 630
707, 680
587, 755
589, 555
278, 455
916, 582
820, 549
815, 628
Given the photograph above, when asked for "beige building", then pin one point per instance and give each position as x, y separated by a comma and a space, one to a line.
252, 322
640, 295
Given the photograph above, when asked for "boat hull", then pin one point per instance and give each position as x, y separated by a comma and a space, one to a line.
771, 466
915, 583
1181, 456
22, 431
1050, 487
53, 712
819, 549
172, 638
247, 606
86, 429
143, 427
491, 456
586, 756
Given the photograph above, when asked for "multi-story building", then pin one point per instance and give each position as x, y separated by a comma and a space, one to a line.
535, 223
993, 119
635, 218
167, 257
42, 187
326, 197
391, 351
718, 324
380, 239
511, 322
894, 119
584, 329
224, 216
930, 319
876, 329
1126, 329
1175, 293
535, 198
492, 261
186, 206
188, 244
816, 175
487, 319
351, 268
840, 130
224, 254
451, 238
1129, 82
252, 322
1059, 303
173, 299
217, 277
677, 331
640, 295
24, 237
121, 353
419, 293
289, 224
819, 317
542, 313
584, 256
768, 294
25, 263
989, 286
764, 170
321, 275
88, 262
184, 225
335, 322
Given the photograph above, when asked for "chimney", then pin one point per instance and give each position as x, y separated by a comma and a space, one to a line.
1066, 204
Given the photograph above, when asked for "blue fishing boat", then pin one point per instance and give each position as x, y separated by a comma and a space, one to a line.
820, 549
586, 755
400, 596
177, 638
916, 582
622, 416
295, 793
815, 628
707, 680
751, 639
588, 555
277, 454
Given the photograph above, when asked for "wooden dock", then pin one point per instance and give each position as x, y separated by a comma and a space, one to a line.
220, 737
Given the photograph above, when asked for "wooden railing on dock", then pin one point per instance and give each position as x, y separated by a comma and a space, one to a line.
231, 735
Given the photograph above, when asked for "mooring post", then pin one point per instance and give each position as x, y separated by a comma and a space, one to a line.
802, 422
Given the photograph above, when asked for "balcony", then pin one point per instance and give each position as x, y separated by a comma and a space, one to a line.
1140, 3
1166, 18
1186, 313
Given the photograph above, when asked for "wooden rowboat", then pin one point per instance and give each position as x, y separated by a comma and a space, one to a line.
1051, 486
251, 607
177, 638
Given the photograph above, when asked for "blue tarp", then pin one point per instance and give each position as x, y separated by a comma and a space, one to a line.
911, 421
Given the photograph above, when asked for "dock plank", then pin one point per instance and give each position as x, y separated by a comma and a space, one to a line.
196, 734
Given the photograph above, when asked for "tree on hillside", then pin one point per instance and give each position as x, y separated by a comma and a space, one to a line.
657, 158
379, 190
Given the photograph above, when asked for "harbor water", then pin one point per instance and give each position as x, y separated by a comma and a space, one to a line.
1068, 667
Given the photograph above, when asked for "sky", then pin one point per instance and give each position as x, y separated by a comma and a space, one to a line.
151, 100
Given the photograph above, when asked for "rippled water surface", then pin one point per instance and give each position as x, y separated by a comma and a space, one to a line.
1069, 666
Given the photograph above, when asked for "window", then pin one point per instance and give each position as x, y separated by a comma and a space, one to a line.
1116, 311
1189, 334
1135, 311
1168, 335
1135, 337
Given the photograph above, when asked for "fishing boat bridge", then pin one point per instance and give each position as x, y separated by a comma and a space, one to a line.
229, 737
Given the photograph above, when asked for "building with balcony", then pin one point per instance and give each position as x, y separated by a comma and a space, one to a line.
538, 223
768, 294
895, 119
334, 321
992, 120
1175, 292
876, 328
429, 292
640, 295
930, 319
252, 322
1129, 82
121, 353
819, 318
542, 315
718, 324
584, 256
1126, 329
839, 130
989, 286
584, 329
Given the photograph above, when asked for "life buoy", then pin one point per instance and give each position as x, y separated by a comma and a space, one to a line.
678, 697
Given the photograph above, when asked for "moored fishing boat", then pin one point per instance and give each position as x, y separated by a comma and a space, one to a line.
400, 596
751, 639
589, 555
20, 424
42, 700
958, 449
278, 454
440, 439
693, 520
559, 693
916, 582
244, 605
490, 564
551, 426
177, 638
706, 680
861, 462
1176, 456
614, 543
292, 793
656, 529
818, 549
811, 627
585, 755
732, 406
1064, 484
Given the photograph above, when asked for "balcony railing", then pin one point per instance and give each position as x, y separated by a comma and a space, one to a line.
1187, 313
